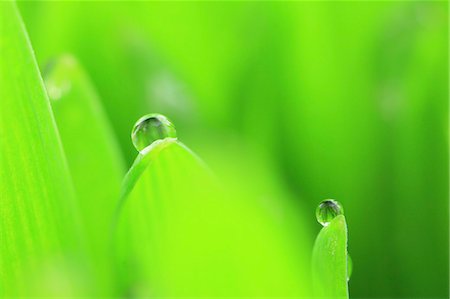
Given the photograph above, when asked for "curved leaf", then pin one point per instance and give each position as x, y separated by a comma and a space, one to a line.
330, 260
41, 253
180, 234
93, 155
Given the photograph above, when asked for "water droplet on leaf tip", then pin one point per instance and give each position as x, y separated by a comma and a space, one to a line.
327, 210
150, 128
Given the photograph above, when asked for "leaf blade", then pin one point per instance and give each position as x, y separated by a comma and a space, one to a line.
329, 260
181, 234
93, 156
39, 226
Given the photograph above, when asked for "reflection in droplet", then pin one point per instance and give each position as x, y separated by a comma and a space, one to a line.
327, 210
150, 128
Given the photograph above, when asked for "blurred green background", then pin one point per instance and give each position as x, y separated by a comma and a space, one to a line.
345, 100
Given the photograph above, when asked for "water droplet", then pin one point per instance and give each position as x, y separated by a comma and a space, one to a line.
349, 266
328, 210
150, 128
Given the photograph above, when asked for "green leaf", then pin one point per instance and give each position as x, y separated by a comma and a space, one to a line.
329, 261
92, 152
41, 252
179, 233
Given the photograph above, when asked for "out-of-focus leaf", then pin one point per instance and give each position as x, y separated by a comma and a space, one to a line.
329, 261
180, 234
93, 155
41, 252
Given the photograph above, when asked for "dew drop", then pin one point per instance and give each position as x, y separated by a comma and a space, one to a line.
349, 266
150, 128
327, 210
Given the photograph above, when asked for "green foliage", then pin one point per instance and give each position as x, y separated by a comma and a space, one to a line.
93, 156
41, 253
289, 102
179, 233
329, 261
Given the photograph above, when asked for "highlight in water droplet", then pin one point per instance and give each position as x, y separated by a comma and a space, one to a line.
349, 266
150, 128
328, 210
